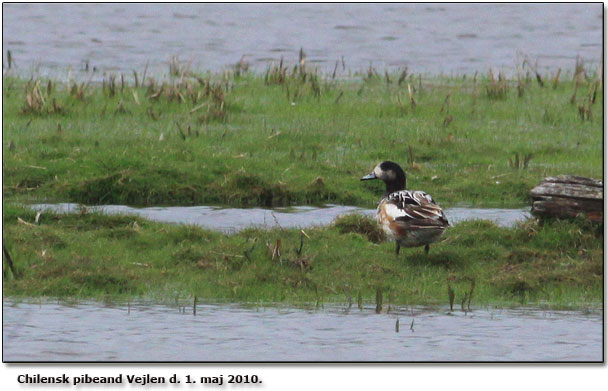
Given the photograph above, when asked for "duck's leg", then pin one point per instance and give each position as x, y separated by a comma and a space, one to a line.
397, 248
426, 249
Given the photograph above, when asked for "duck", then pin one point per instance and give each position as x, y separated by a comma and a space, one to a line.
409, 217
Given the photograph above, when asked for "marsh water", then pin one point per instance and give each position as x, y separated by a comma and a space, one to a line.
228, 332
428, 38
235, 219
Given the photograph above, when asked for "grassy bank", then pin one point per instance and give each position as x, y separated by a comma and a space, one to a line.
293, 137
558, 263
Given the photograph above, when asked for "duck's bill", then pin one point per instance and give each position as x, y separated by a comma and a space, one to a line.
369, 176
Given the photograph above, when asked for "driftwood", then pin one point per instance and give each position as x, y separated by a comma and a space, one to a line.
568, 196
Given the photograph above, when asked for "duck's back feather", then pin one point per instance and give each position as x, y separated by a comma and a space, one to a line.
411, 217
416, 206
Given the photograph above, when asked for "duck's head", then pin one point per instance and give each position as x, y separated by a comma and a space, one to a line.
392, 175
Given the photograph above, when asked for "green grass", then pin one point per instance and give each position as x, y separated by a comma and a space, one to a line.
558, 263
300, 139
296, 138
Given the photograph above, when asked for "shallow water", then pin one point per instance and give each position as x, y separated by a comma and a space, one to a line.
433, 38
97, 332
234, 219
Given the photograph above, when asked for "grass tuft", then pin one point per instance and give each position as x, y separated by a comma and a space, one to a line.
364, 225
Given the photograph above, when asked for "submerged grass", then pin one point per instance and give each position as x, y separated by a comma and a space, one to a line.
90, 255
293, 136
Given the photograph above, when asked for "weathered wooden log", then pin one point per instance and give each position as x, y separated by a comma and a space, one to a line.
568, 196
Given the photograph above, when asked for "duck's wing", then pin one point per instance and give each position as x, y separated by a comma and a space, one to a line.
415, 208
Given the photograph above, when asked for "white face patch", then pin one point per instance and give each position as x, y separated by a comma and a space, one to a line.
378, 171
384, 175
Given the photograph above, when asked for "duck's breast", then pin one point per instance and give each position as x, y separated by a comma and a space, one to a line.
386, 216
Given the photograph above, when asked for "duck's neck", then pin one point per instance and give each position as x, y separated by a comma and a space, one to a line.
396, 185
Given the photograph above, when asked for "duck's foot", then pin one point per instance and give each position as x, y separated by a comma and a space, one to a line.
426, 249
